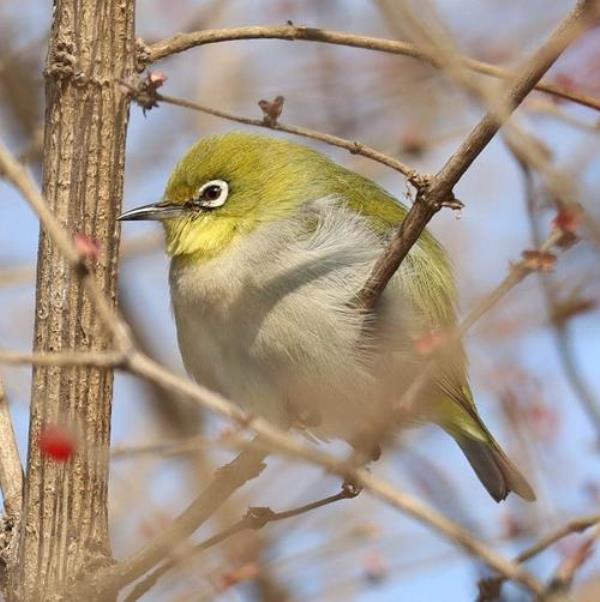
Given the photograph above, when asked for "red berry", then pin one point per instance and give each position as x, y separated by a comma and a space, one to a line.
57, 443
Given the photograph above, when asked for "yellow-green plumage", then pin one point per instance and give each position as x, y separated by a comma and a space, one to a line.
277, 185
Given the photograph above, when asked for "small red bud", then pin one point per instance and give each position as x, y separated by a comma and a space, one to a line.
568, 219
412, 142
246, 572
375, 568
156, 79
429, 342
89, 247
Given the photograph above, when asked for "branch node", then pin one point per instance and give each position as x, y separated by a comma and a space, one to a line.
271, 110
357, 148
489, 589
144, 90
453, 203
61, 63
433, 199
245, 420
143, 57
257, 517
350, 490
536, 260
81, 268
420, 181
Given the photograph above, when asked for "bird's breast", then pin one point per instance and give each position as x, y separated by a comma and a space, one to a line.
270, 323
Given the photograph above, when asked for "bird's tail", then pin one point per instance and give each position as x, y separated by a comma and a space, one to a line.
491, 465
493, 468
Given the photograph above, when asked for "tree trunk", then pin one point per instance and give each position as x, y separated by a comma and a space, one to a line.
64, 530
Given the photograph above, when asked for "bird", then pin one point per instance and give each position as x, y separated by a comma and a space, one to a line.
270, 245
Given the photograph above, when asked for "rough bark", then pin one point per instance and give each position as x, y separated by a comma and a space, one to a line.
64, 530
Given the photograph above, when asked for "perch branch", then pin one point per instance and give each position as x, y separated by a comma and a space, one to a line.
431, 198
246, 466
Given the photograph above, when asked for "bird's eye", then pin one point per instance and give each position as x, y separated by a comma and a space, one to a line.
212, 194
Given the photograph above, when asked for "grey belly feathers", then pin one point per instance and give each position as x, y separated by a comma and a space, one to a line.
282, 340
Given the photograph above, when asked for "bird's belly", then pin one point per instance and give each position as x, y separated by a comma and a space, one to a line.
292, 362
282, 341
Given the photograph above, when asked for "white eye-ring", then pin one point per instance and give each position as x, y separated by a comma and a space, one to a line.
212, 194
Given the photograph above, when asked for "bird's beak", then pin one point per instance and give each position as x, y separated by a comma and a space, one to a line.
155, 211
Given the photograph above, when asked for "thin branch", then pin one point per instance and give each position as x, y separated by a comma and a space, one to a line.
489, 589
11, 471
186, 445
19, 177
561, 581
97, 359
255, 518
517, 273
544, 106
354, 147
232, 440
576, 379
184, 41
246, 466
17, 275
430, 199
130, 249
578, 525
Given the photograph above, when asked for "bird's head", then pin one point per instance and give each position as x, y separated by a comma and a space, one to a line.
226, 186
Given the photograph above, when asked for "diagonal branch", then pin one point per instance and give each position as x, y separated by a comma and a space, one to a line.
438, 193
255, 518
558, 588
489, 589
577, 525
228, 479
184, 41
19, 177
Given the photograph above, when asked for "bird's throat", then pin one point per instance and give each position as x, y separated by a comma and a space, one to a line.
201, 239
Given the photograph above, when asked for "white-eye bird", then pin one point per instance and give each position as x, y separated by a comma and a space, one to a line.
270, 243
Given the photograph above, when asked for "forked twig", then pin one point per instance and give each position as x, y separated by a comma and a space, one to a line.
255, 518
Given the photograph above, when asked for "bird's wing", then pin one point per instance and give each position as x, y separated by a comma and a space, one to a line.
426, 280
